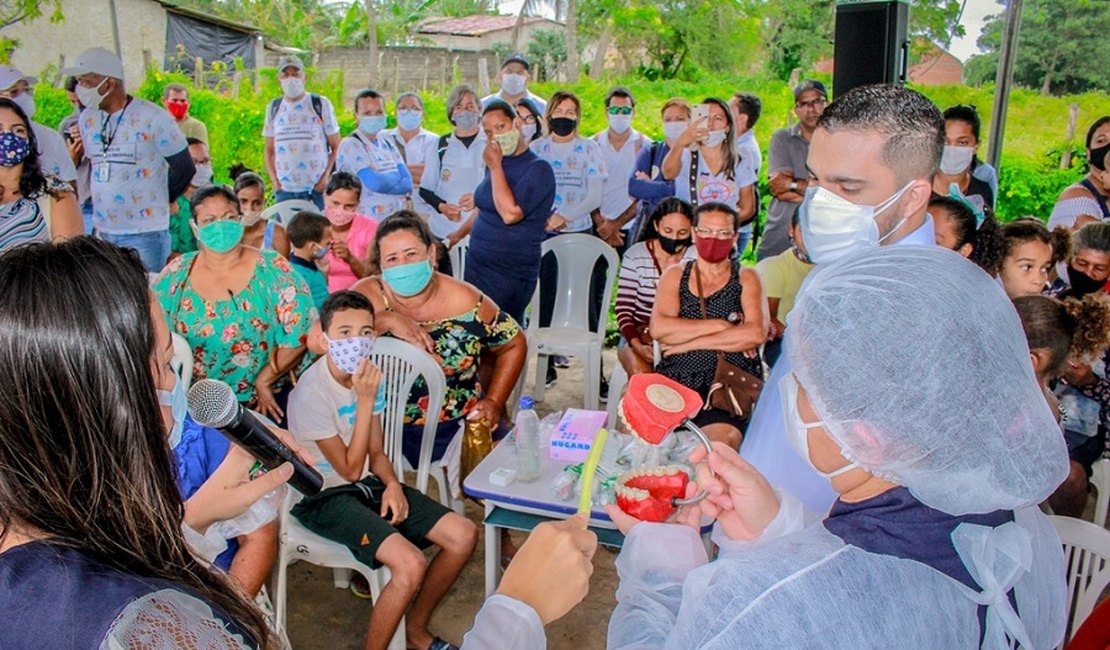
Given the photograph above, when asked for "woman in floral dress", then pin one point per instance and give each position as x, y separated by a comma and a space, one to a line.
243, 311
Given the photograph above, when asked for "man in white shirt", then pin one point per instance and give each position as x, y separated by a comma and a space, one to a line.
515, 73
746, 109
302, 138
53, 152
375, 160
140, 161
619, 144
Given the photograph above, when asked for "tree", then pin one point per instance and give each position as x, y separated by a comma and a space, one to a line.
18, 11
1062, 47
547, 51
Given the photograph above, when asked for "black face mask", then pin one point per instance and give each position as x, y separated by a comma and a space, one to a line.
562, 126
1081, 283
673, 246
1098, 157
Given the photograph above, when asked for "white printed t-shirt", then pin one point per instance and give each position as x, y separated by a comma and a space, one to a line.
713, 187
300, 141
127, 151
356, 152
575, 164
320, 408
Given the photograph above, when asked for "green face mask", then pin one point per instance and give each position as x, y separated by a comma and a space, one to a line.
508, 142
221, 236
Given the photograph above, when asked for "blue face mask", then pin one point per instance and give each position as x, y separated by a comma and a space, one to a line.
409, 119
371, 124
408, 279
176, 400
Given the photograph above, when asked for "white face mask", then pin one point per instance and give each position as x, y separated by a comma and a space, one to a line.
203, 176
90, 97
513, 84
714, 138
293, 87
26, 101
671, 130
831, 225
955, 160
528, 131
251, 218
620, 123
797, 430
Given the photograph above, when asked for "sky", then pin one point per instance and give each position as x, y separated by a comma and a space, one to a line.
975, 11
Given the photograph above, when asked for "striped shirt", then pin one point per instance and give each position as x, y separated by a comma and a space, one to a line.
636, 289
22, 220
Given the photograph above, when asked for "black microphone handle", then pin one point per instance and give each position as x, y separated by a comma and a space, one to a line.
256, 438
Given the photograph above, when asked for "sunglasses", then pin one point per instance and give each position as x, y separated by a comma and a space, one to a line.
619, 110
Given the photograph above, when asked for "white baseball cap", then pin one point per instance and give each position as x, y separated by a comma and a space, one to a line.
96, 60
10, 76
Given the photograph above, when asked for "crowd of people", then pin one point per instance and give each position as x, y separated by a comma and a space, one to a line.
896, 342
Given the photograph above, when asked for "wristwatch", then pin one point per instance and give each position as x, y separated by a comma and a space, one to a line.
793, 186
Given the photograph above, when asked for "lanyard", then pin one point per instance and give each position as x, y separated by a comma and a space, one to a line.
106, 140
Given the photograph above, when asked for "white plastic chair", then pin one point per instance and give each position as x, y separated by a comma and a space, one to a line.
617, 381
569, 332
1100, 478
182, 361
1087, 566
282, 212
458, 257
401, 363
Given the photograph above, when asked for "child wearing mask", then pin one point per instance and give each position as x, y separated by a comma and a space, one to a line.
1062, 334
335, 412
1028, 255
310, 235
352, 232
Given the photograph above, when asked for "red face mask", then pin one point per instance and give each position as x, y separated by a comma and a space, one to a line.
713, 250
178, 109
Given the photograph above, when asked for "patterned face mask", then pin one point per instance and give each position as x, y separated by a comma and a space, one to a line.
347, 353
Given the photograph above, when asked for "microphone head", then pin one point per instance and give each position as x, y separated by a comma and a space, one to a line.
212, 403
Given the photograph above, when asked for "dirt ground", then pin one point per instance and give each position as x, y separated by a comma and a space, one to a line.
321, 617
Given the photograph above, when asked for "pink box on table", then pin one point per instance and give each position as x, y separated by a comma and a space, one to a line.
575, 433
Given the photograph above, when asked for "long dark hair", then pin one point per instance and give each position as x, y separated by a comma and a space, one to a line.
667, 206
84, 457
731, 158
32, 181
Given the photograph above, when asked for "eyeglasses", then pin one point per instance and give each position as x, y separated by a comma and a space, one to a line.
619, 110
813, 103
528, 119
230, 216
719, 234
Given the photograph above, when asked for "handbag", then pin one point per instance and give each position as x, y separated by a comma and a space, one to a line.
733, 390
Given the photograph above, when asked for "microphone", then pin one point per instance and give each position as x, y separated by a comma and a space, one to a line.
213, 404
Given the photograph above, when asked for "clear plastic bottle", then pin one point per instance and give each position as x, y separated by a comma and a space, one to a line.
527, 441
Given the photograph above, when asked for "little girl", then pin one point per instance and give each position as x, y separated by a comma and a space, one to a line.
974, 235
1028, 255
1061, 333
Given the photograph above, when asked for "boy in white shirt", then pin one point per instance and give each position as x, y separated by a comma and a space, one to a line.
335, 412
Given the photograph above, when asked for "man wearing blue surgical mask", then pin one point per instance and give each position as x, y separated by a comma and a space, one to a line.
872, 159
376, 160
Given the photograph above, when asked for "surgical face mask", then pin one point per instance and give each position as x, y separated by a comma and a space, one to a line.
619, 123
175, 399
714, 138
467, 120
203, 176
221, 236
26, 101
90, 97
528, 131
1097, 157
371, 124
671, 130
563, 126
508, 141
832, 225
251, 218
409, 119
339, 217
672, 246
797, 430
14, 149
408, 279
346, 354
513, 84
956, 160
292, 87
321, 252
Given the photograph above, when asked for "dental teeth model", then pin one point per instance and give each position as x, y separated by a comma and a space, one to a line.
648, 493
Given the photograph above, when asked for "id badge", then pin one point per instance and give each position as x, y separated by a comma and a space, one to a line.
103, 172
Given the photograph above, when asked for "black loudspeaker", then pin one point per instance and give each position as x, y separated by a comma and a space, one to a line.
871, 44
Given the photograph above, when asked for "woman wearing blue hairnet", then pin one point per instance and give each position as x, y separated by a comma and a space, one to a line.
913, 393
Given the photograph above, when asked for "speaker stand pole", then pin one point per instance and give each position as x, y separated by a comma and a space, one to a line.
1003, 81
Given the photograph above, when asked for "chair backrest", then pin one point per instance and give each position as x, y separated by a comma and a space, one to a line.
1087, 566
1100, 477
401, 363
182, 361
576, 255
284, 211
458, 257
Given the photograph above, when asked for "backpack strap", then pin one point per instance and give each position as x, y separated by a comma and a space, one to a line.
442, 147
317, 105
274, 106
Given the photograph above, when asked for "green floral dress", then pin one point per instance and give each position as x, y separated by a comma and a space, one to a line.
459, 342
232, 339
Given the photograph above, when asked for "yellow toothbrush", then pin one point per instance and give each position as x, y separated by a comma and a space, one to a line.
585, 501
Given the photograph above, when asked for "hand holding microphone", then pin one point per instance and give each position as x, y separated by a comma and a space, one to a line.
213, 404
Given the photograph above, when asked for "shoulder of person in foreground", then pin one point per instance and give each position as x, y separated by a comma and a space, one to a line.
170, 619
